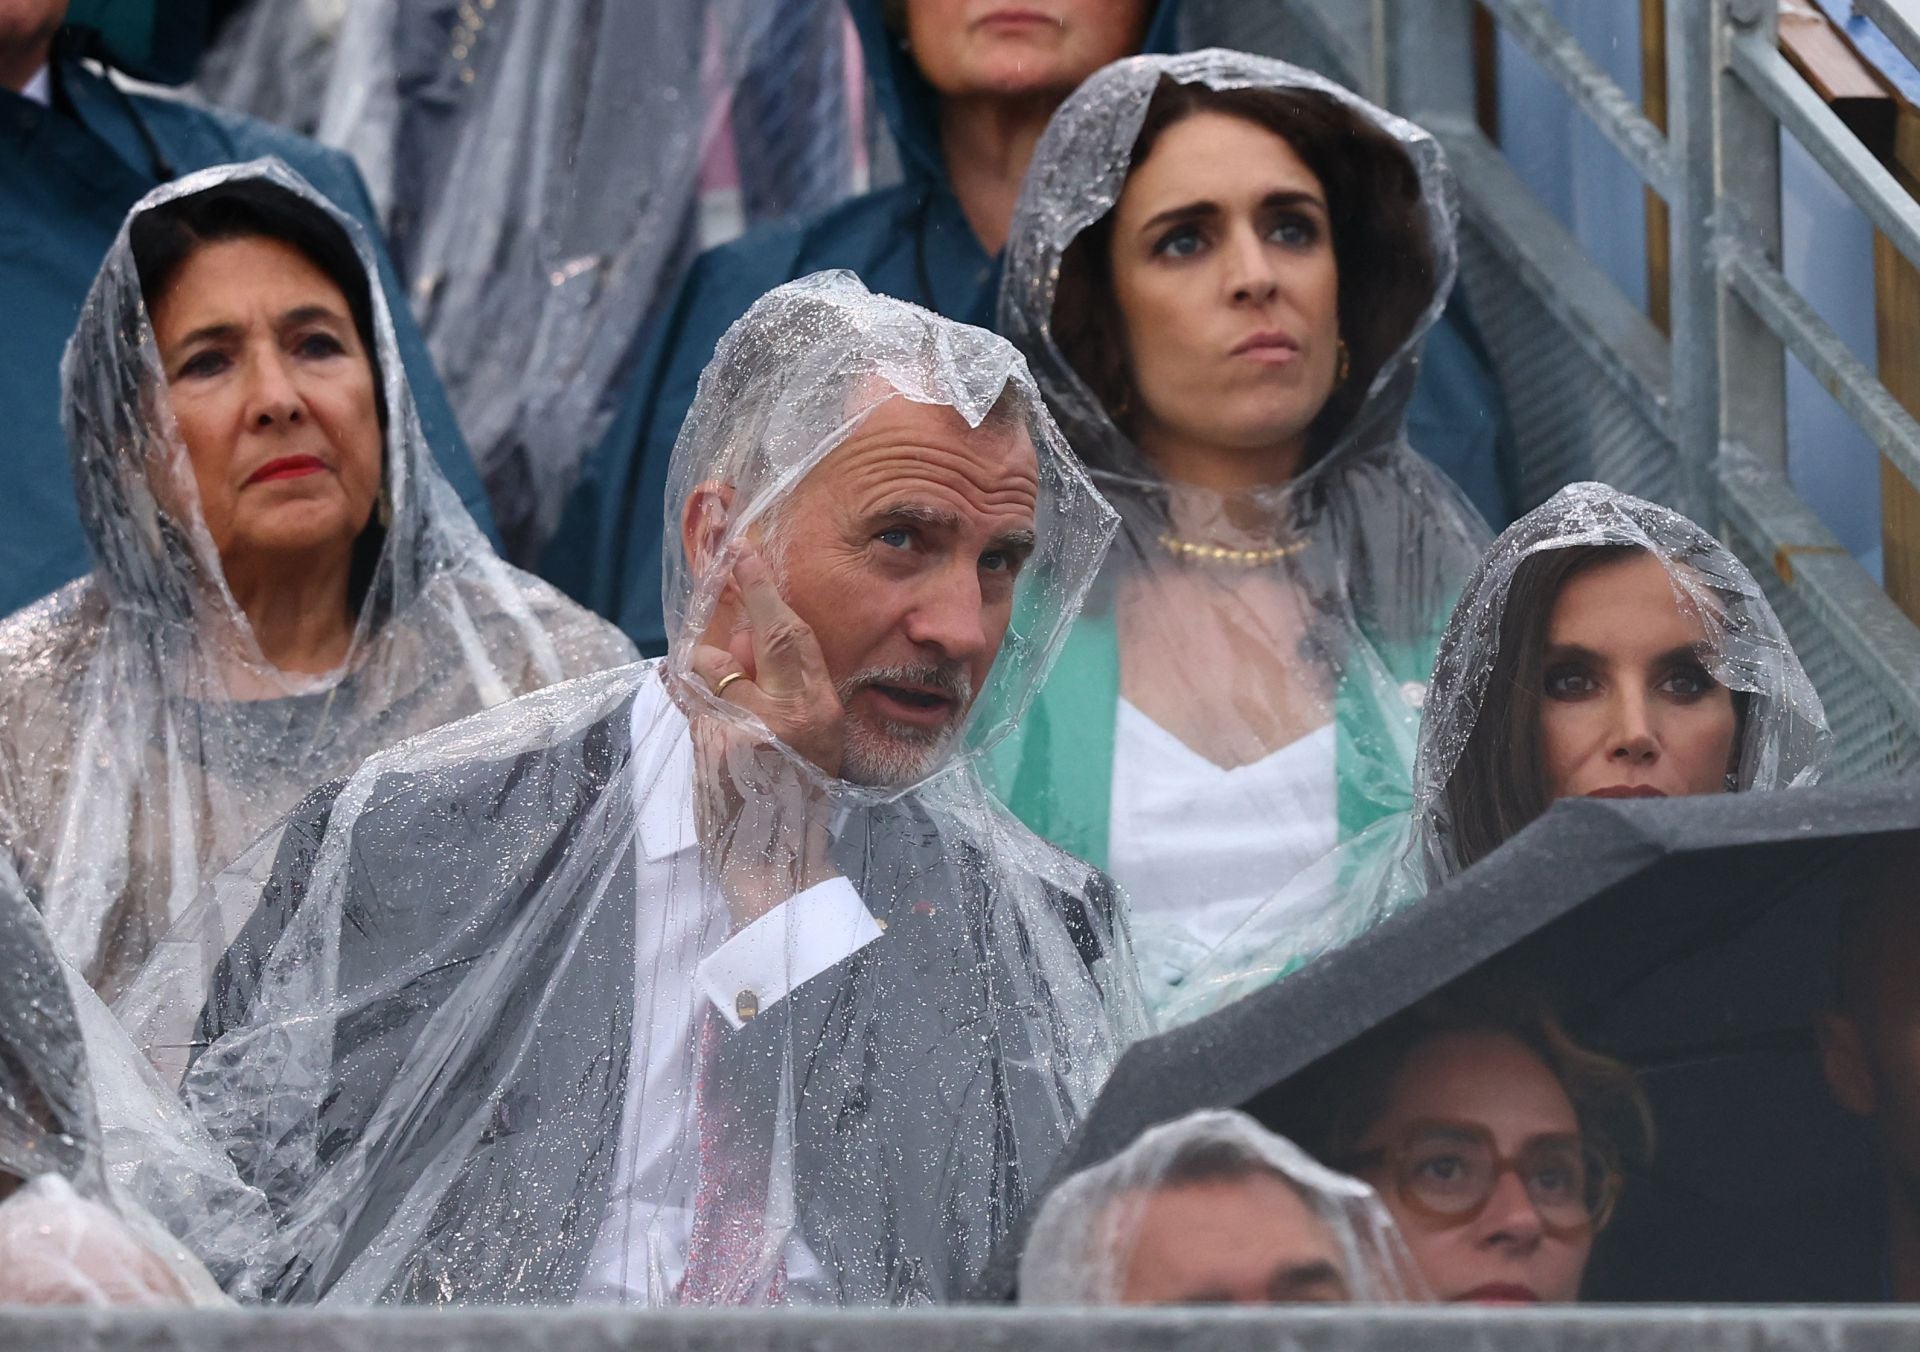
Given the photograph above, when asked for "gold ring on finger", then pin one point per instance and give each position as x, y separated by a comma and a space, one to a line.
728, 680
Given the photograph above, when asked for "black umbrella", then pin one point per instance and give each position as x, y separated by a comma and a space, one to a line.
1691, 938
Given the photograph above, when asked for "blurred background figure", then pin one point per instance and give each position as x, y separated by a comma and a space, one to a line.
1870, 1053
546, 169
71, 1233
1495, 1141
1222, 270
966, 88
76, 152
1212, 1209
284, 582
1606, 647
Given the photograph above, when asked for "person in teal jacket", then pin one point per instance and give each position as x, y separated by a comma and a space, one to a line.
76, 152
925, 241
1222, 268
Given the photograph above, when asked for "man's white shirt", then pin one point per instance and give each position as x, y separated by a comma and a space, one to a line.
687, 966
39, 88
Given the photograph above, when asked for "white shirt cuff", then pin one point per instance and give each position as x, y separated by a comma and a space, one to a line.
784, 949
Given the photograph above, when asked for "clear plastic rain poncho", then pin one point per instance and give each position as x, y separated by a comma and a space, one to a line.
144, 739
86, 1138
1087, 1235
1243, 692
539, 167
1783, 740
498, 1031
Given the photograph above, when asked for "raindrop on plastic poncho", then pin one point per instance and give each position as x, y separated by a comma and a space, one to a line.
94, 1156
1243, 691
144, 738
604, 995
1477, 783
1100, 1237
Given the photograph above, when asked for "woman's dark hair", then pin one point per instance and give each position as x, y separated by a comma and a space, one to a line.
165, 237
1333, 1107
1380, 244
1499, 784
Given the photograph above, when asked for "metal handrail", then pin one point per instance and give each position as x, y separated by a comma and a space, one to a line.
1825, 354
1833, 146
1858, 616
1898, 19
1619, 119
1714, 390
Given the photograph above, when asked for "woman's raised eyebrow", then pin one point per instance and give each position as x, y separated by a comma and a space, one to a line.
1198, 211
1192, 211
1293, 197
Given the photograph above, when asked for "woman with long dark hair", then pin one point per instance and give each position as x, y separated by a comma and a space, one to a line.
1222, 270
1606, 647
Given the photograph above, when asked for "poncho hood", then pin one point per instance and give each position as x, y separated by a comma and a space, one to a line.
1078, 174
909, 103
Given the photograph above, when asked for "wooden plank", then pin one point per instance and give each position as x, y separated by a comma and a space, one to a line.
1486, 73
1653, 100
1896, 321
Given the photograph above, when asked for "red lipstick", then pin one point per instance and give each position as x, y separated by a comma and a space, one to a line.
287, 467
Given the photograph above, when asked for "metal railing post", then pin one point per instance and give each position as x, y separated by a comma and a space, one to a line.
1693, 67
1753, 366
1427, 51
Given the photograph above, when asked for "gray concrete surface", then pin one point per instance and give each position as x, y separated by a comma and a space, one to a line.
975, 1330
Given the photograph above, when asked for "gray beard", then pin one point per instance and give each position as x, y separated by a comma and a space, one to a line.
895, 753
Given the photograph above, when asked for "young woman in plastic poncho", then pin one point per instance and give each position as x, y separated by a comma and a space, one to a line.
283, 581
94, 1156
1214, 1209
1607, 647
1221, 269
720, 980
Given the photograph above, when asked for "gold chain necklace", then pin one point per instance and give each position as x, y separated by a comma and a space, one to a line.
1246, 558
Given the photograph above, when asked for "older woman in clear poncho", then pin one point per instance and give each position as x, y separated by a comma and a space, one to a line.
1214, 1209
719, 980
283, 581
1222, 269
1606, 647
110, 1195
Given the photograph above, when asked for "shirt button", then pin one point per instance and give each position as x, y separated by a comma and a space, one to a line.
1415, 694
746, 1004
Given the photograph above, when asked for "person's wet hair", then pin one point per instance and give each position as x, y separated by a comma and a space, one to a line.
1380, 245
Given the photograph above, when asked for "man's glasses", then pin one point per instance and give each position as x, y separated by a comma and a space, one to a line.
1447, 1172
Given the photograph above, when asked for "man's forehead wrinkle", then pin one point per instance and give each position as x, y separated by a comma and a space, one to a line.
885, 474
